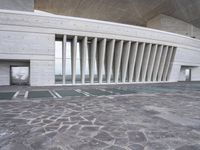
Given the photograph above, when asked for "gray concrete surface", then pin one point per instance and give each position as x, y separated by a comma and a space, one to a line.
171, 24
143, 121
135, 12
21, 5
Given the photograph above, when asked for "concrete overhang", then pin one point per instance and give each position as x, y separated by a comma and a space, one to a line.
134, 12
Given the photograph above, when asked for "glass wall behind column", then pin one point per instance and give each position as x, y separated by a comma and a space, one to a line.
58, 61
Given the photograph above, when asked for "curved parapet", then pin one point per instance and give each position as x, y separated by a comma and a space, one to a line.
99, 52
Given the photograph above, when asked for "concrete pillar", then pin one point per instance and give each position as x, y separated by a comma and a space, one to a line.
132, 60
138, 66
64, 58
118, 53
125, 59
110, 54
102, 49
172, 67
162, 63
145, 62
157, 62
74, 53
151, 62
167, 63
84, 47
93, 57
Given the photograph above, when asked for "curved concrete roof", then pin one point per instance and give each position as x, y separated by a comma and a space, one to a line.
135, 12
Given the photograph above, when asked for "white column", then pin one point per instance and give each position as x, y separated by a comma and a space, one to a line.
162, 63
64, 58
102, 48
140, 54
157, 62
74, 53
84, 47
118, 53
151, 62
145, 62
110, 54
171, 66
125, 59
93, 57
167, 63
133, 54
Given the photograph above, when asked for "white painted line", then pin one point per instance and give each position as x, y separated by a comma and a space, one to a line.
56, 93
79, 91
83, 92
52, 94
15, 95
26, 95
104, 90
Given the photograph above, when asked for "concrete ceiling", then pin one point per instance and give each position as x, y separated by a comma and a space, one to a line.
135, 12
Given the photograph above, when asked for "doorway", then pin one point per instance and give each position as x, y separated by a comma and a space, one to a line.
185, 73
19, 75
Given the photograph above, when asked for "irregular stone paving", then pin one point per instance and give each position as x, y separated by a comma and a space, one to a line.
159, 121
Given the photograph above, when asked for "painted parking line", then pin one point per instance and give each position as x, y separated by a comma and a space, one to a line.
65, 93
83, 92
26, 95
56, 93
97, 92
54, 96
107, 90
15, 95
117, 91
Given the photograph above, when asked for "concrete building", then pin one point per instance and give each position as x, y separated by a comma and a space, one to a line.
66, 46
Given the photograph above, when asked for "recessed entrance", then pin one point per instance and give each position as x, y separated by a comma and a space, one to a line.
19, 75
186, 73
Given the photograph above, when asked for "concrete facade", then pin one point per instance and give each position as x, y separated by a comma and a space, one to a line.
134, 12
126, 54
37, 48
21, 5
171, 24
5, 69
